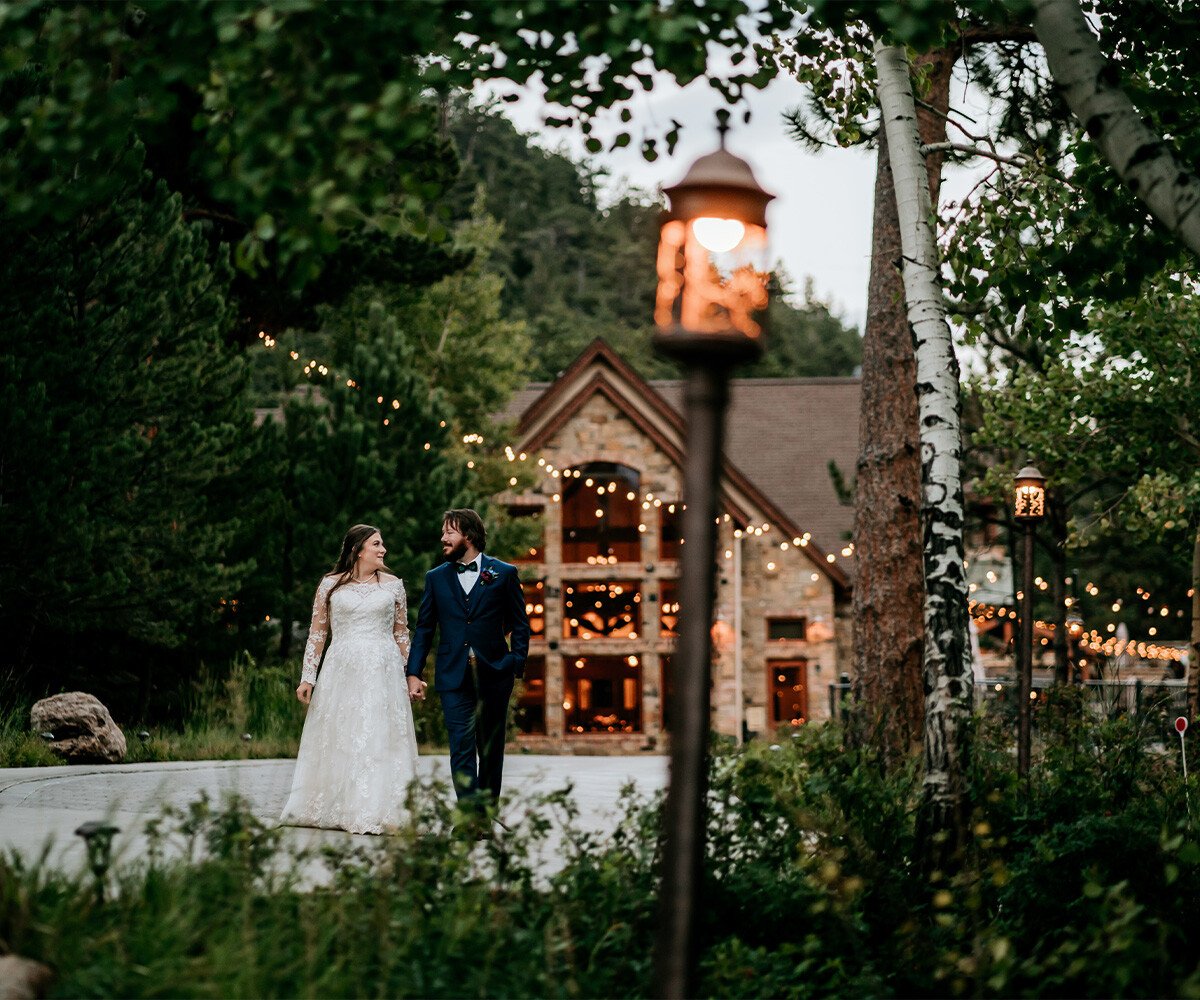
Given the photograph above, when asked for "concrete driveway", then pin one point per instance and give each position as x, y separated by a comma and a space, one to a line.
41, 807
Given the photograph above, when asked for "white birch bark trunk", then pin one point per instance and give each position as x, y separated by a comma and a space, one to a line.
947, 673
1090, 85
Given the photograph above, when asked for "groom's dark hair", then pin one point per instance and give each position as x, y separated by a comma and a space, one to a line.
469, 524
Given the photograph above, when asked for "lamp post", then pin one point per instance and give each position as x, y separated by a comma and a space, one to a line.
712, 291
1029, 507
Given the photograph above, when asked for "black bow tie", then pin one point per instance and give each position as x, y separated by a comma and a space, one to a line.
467, 567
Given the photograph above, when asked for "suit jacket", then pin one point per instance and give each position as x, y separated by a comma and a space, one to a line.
479, 620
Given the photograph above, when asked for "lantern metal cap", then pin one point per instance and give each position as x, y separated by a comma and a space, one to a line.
720, 183
1030, 474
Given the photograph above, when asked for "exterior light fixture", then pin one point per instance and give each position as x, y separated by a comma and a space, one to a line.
712, 260
1029, 495
709, 310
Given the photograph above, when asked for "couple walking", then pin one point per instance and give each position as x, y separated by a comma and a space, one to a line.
358, 752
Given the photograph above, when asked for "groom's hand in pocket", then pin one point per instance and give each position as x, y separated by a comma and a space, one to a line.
416, 688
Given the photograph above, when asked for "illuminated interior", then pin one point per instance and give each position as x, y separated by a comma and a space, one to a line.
602, 694
789, 691
668, 609
601, 511
671, 524
602, 609
530, 712
535, 608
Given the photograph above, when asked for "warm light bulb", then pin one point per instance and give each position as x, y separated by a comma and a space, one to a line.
718, 235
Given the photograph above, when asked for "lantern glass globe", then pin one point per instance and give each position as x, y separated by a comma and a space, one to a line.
718, 235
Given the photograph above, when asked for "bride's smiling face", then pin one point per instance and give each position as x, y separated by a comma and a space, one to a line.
370, 556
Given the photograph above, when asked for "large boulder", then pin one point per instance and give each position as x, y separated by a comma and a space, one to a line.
23, 978
82, 728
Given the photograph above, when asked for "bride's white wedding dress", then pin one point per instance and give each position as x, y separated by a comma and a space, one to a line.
358, 751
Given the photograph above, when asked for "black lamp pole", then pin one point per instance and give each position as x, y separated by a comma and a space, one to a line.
1025, 692
712, 292
1029, 507
706, 395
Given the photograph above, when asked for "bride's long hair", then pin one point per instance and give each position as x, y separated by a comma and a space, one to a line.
352, 546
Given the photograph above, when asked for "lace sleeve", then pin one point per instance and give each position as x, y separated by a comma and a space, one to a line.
400, 624
318, 632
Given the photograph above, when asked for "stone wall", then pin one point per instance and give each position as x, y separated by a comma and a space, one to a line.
778, 579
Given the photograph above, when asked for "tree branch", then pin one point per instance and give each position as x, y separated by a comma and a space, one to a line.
1090, 85
1020, 159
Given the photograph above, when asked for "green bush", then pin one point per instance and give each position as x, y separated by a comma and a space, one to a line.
1082, 883
20, 746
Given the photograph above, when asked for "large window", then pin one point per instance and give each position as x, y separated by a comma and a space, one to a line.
789, 691
668, 609
535, 608
785, 629
601, 514
602, 694
670, 517
530, 713
604, 609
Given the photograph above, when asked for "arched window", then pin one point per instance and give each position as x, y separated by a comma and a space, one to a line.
601, 514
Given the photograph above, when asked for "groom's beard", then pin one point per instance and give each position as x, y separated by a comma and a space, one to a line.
455, 554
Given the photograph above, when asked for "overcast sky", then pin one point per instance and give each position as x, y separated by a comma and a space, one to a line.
820, 221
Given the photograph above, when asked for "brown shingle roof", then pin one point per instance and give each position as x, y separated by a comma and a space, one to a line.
782, 433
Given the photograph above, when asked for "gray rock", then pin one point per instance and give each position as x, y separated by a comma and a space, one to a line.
23, 978
84, 731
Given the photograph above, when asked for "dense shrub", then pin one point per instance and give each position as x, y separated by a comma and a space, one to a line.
1082, 883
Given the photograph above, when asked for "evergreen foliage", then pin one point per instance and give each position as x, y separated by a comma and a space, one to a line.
577, 267
299, 123
124, 430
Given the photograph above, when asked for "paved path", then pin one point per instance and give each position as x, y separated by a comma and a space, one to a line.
41, 807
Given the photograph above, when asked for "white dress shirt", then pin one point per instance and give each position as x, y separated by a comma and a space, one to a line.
467, 579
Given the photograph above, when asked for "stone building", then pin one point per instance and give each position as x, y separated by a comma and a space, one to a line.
601, 582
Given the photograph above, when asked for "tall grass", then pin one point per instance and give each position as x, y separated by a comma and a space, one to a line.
19, 745
249, 711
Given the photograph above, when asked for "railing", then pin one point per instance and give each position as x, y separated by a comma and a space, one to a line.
1105, 698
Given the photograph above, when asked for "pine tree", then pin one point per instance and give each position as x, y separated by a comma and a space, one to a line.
125, 427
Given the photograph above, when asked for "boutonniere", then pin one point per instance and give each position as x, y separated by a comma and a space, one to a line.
487, 576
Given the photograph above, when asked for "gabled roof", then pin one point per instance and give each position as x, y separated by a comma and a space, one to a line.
781, 435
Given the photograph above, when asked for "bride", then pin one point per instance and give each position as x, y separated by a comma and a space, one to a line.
358, 751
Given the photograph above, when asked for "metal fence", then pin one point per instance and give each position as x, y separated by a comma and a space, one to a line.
1107, 699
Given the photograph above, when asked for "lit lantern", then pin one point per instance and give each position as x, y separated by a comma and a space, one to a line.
712, 261
1029, 495
1074, 624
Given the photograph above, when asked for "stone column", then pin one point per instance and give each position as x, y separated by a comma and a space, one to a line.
552, 554
652, 692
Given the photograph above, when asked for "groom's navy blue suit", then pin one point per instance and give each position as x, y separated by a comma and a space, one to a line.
474, 689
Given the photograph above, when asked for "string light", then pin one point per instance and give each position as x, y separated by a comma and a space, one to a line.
800, 541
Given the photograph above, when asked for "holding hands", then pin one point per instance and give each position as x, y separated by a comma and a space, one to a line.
416, 688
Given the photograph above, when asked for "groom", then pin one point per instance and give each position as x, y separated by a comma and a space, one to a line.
474, 601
